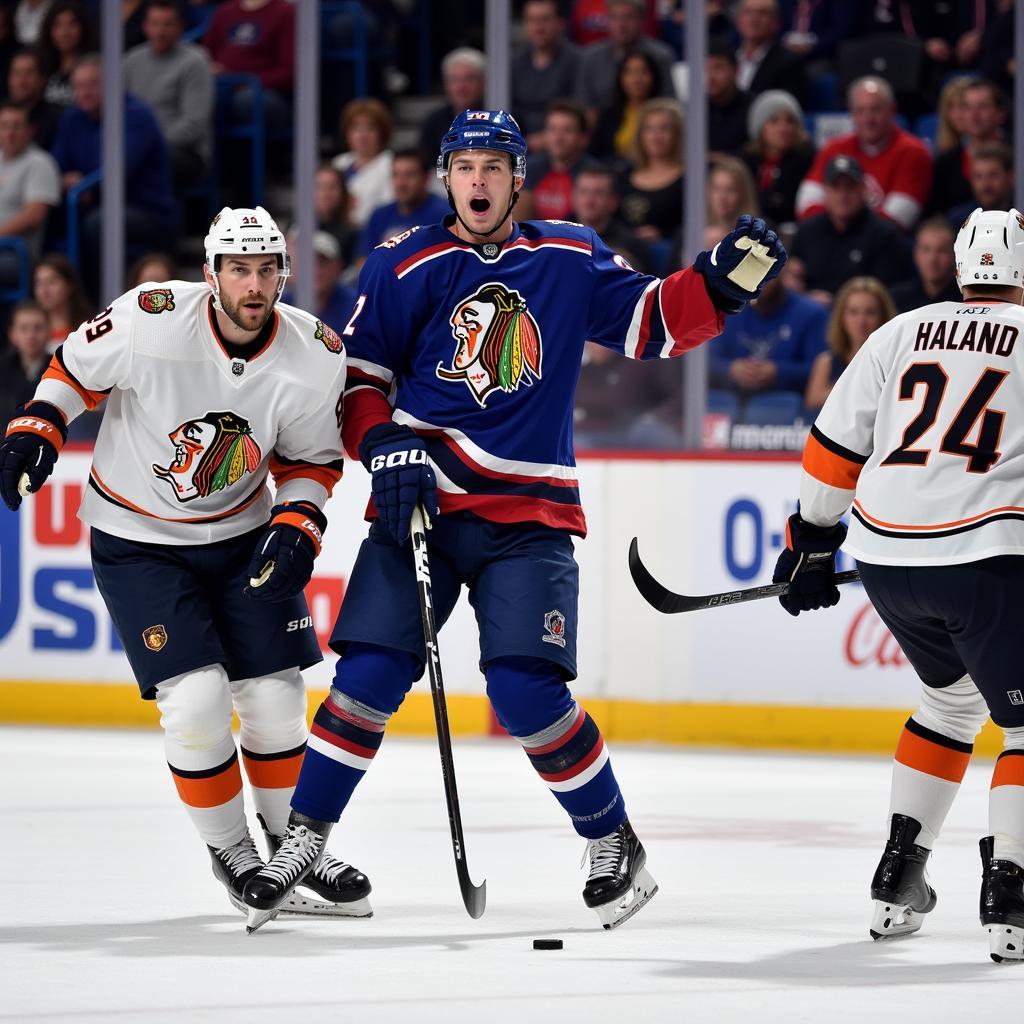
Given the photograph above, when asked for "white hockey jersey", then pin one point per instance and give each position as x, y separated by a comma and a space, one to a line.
924, 435
189, 434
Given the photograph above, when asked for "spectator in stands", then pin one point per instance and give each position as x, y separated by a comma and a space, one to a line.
543, 70
332, 205
813, 29
67, 33
615, 128
175, 79
779, 155
28, 20
29, 187
58, 289
149, 209
589, 20
256, 37
25, 86
23, 363
764, 63
464, 75
769, 345
861, 307
652, 192
992, 183
952, 114
366, 163
936, 270
996, 54
727, 103
897, 166
152, 266
730, 193
626, 403
595, 204
411, 174
596, 74
547, 194
333, 301
984, 116
847, 239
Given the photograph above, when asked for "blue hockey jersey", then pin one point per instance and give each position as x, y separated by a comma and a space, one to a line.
478, 349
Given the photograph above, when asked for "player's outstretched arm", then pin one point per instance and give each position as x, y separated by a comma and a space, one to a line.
742, 262
282, 563
30, 448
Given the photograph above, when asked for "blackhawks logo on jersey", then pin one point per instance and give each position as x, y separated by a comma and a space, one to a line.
328, 336
156, 300
498, 344
210, 455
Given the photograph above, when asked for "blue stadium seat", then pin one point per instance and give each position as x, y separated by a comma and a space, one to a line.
825, 93
11, 243
661, 254
926, 127
197, 21
773, 408
722, 403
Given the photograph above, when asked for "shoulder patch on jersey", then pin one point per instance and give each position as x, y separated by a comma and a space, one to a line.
497, 342
156, 300
570, 223
328, 336
396, 240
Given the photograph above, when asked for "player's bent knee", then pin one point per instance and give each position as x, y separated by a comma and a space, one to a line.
527, 694
195, 707
271, 710
958, 710
376, 677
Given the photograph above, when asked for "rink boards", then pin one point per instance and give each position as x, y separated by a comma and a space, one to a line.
748, 675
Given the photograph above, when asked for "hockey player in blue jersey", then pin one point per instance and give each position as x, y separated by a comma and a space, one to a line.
465, 345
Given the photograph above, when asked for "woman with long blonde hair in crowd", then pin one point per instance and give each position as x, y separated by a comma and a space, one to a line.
730, 193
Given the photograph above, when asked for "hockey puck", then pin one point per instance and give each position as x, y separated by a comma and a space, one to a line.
547, 943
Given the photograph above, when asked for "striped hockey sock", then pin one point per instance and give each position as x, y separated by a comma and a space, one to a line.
571, 758
213, 796
345, 736
273, 777
926, 777
1006, 807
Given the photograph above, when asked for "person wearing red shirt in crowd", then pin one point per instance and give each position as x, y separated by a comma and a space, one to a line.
547, 194
256, 37
897, 165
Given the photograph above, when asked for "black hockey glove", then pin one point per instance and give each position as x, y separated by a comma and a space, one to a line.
808, 564
282, 563
402, 477
741, 263
35, 436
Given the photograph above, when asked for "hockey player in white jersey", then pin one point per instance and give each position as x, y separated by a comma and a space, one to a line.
209, 387
924, 436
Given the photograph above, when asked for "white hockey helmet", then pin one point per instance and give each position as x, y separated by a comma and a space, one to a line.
989, 249
245, 232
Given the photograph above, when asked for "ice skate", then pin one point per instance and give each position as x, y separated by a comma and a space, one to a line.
619, 883
900, 889
300, 851
1002, 905
343, 888
234, 866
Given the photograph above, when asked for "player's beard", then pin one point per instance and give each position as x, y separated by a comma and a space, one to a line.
240, 318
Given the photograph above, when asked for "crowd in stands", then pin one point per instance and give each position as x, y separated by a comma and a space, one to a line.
863, 132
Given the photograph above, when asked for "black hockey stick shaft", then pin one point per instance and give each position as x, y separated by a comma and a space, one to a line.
671, 604
473, 896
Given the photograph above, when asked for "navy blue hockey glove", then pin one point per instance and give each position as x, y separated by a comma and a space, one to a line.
402, 477
741, 263
808, 564
282, 563
28, 453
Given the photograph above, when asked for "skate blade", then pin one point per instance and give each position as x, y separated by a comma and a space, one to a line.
298, 905
620, 911
1005, 943
891, 920
258, 918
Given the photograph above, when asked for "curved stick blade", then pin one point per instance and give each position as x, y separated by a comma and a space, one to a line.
650, 589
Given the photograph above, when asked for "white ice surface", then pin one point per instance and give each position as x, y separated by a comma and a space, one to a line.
108, 910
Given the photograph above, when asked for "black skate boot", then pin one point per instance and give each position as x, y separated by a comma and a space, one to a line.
299, 852
344, 887
900, 889
619, 883
234, 866
1002, 905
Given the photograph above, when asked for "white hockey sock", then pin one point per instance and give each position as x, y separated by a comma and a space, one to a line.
1006, 800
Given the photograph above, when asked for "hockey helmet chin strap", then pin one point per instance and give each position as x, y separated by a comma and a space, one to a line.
481, 234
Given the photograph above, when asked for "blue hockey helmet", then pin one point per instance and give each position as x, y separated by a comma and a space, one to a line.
484, 129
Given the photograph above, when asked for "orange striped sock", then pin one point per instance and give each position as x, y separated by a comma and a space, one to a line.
930, 752
273, 778
213, 799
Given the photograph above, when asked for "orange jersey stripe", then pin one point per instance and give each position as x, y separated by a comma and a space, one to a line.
211, 791
829, 468
323, 475
280, 773
937, 526
931, 758
57, 372
1009, 771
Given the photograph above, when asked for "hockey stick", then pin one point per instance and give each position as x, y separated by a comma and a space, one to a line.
473, 896
665, 601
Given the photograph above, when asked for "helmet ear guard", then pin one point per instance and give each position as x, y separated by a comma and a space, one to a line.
989, 249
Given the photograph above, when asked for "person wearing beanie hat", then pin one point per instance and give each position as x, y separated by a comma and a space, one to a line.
779, 154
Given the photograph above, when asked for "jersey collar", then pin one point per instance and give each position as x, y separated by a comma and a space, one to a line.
252, 351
